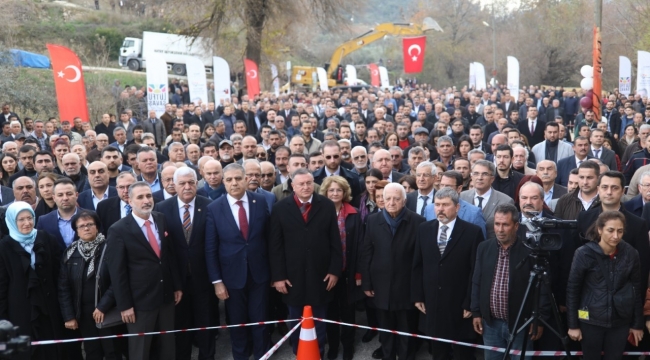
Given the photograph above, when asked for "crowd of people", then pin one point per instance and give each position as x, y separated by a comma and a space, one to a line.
410, 206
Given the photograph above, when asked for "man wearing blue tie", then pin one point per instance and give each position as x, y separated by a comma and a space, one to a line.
236, 254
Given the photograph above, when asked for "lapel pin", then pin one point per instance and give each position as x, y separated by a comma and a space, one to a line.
199, 209
253, 201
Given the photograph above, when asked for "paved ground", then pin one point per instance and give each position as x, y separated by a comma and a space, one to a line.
362, 351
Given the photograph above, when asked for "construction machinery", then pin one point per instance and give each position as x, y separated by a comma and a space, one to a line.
306, 75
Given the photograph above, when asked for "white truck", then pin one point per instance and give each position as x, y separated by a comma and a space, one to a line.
174, 48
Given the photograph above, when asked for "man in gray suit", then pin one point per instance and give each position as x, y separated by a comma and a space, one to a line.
156, 127
483, 195
425, 177
553, 148
597, 150
547, 172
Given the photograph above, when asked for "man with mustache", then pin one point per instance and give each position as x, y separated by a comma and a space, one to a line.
253, 171
145, 274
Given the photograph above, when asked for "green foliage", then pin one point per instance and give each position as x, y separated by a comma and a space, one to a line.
113, 40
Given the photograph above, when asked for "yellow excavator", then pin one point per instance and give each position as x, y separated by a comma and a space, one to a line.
305, 75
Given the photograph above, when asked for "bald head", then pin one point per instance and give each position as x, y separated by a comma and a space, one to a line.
98, 176
212, 173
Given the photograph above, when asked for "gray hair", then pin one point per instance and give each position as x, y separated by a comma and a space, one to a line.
174, 145
536, 186
218, 122
300, 171
147, 136
234, 167
644, 174
251, 161
644, 127
447, 193
124, 174
184, 171
137, 184
444, 138
521, 146
4, 146
118, 129
487, 164
476, 151
235, 137
416, 150
357, 148
429, 164
345, 141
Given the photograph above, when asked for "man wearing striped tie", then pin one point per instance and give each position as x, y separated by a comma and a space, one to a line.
186, 215
442, 274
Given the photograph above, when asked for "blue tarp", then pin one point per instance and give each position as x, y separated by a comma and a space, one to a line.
26, 59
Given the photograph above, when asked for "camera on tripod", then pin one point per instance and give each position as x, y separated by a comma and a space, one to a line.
538, 237
10, 342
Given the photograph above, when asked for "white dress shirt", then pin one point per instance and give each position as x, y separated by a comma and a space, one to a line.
235, 208
485, 197
450, 226
123, 209
154, 228
181, 209
420, 203
96, 199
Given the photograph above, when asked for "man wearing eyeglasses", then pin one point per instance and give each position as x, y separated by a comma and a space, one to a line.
332, 155
425, 175
253, 173
483, 195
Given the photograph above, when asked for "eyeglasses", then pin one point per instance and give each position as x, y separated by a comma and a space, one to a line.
423, 175
394, 156
85, 226
267, 175
483, 174
329, 157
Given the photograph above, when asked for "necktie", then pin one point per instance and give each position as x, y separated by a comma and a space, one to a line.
532, 128
597, 154
128, 209
152, 238
480, 202
304, 210
187, 221
243, 221
425, 199
442, 242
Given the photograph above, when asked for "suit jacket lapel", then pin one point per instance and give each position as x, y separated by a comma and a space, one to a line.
228, 216
293, 209
315, 207
137, 232
384, 225
252, 211
159, 219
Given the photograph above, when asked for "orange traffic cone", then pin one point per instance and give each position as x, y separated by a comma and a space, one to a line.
308, 344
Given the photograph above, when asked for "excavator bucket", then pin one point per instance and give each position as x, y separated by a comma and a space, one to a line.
430, 24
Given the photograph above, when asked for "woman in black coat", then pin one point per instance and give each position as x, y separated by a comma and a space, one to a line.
77, 284
348, 289
29, 267
603, 306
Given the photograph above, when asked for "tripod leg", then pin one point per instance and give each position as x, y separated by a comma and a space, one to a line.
556, 315
531, 282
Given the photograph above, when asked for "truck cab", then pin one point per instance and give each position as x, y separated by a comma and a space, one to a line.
131, 54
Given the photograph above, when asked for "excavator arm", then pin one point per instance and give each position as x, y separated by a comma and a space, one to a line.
378, 33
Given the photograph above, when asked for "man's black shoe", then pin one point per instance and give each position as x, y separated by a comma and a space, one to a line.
378, 354
368, 336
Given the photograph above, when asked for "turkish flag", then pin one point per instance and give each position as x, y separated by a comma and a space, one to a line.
69, 83
252, 78
413, 49
374, 75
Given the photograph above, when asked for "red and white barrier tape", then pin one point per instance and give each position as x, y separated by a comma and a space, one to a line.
49, 342
285, 337
275, 347
484, 347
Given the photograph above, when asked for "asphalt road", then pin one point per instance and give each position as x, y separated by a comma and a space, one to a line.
363, 351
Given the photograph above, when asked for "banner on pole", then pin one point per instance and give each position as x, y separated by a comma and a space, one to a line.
252, 79
322, 79
383, 77
413, 52
196, 80
351, 73
481, 82
472, 75
69, 83
513, 77
276, 81
157, 80
374, 75
624, 75
643, 74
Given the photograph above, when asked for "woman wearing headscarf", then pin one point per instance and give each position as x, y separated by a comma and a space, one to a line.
29, 268
81, 263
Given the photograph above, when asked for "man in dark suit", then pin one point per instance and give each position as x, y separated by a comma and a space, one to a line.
613, 118
156, 127
564, 166
248, 116
636, 204
238, 265
547, 172
425, 176
167, 183
382, 161
597, 150
534, 123
115, 208
186, 218
332, 154
386, 264
145, 275
99, 188
448, 262
57, 222
305, 252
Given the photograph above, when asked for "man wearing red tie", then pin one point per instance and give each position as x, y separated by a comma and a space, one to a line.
144, 275
237, 258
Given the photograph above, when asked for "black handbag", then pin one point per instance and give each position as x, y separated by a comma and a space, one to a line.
112, 317
623, 298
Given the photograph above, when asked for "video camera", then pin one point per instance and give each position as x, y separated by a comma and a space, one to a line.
537, 236
10, 342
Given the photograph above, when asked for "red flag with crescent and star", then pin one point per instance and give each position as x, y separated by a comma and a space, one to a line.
413, 49
69, 83
374, 75
252, 78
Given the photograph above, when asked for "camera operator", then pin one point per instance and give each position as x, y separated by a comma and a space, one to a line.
498, 292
